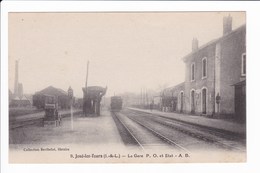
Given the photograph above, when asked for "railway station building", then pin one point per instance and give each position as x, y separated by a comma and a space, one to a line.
215, 76
61, 95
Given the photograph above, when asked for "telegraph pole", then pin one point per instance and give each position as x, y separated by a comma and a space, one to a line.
86, 84
147, 100
70, 94
85, 94
144, 97
141, 97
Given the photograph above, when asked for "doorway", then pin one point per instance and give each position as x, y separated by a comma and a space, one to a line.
240, 101
192, 102
182, 99
204, 101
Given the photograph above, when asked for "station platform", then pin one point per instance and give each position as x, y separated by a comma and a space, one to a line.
218, 124
89, 138
96, 130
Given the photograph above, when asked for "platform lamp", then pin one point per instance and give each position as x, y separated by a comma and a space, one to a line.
70, 95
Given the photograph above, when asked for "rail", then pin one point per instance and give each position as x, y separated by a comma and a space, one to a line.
161, 136
128, 130
35, 120
180, 126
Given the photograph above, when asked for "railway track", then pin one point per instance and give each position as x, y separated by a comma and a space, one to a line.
165, 140
223, 143
25, 123
223, 140
160, 135
37, 120
128, 131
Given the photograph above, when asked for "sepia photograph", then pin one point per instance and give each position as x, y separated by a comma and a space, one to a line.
127, 87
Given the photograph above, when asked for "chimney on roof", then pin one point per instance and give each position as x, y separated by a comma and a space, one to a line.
195, 44
227, 25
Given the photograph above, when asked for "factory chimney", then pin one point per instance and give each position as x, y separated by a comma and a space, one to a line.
16, 78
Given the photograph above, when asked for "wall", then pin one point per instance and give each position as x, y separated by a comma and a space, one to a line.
199, 83
232, 48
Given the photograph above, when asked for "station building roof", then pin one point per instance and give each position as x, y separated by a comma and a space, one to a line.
50, 90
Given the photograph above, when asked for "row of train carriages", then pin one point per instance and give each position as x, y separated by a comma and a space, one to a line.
116, 103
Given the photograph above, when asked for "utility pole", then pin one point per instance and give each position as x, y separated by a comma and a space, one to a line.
70, 94
147, 99
16, 81
86, 86
144, 97
141, 102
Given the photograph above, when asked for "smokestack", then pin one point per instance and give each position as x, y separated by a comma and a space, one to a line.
20, 90
16, 78
227, 25
195, 44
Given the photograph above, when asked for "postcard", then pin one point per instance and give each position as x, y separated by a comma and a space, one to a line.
126, 86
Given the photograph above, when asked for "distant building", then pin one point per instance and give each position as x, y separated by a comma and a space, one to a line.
10, 95
25, 102
15, 102
29, 97
157, 102
172, 98
20, 102
61, 95
215, 80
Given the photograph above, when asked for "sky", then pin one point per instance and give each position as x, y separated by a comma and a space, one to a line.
126, 51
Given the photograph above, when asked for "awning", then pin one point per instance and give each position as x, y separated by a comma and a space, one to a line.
240, 83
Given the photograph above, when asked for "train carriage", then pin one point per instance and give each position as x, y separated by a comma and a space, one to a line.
116, 103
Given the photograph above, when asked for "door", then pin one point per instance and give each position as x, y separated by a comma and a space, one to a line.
240, 102
192, 102
181, 110
204, 101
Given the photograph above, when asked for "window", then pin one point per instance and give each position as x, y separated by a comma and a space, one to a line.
204, 67
243, 68
192, 72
